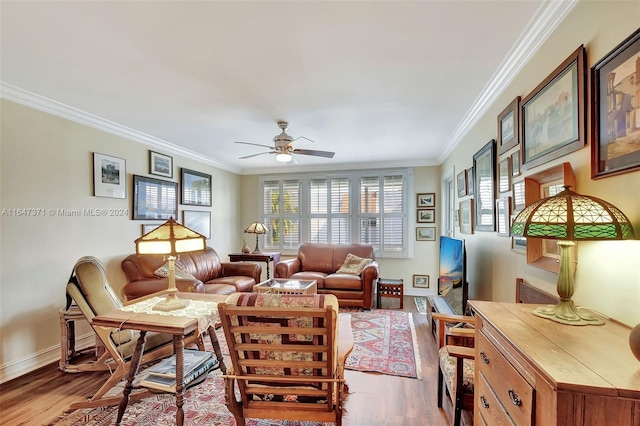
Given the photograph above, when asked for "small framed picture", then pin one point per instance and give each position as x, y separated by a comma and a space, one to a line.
427, 199
196, 188
109, 176
199, 221
426, 215
420, 281
518, 196
508, 130
504, 175
466, 216
160, 164
503, 215
425, 233
515, 164
461, 182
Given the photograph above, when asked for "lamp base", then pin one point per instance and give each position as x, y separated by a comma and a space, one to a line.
565, 312
171, 303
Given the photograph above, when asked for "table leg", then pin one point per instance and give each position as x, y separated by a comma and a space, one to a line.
216, 348
268, 262
178, 345
133, 370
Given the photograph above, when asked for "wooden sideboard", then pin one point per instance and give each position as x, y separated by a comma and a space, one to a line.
533, 371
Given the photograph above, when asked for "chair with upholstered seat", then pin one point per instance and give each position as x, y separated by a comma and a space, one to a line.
456, 362
89, 288
287, 355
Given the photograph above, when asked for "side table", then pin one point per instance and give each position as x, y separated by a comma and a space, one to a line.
390, 288
256, 257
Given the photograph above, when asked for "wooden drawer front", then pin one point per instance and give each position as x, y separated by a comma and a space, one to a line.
491, 411
512, 390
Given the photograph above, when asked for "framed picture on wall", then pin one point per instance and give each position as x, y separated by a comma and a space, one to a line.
198, 220
196, 188
515, 164
553, 114
470, 180
425, 233
421, 281
461, 183
154, 198
426, 215
504, 175
426, 200
615, 122
109, 176
503, 216
466, 216
160, 164
509, 126
484, 167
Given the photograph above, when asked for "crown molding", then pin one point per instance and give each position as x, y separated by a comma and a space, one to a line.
547, 18
41, 103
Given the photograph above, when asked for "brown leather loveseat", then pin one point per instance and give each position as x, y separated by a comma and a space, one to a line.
321, 262
197, 272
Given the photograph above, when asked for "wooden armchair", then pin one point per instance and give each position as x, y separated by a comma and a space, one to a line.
89, 289
456, 361
287, 357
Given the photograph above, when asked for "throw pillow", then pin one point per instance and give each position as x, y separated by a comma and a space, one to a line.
353, 265
163, 272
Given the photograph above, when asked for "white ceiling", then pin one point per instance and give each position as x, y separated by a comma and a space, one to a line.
382, 83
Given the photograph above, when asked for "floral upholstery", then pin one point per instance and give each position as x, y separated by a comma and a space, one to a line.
448, 364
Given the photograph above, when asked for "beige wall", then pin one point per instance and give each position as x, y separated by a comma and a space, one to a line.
47, 164
608, 276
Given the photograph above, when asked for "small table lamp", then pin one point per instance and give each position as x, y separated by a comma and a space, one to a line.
257, 228
569, 217
170, 239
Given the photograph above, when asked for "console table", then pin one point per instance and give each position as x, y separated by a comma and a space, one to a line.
533, 371
256, 257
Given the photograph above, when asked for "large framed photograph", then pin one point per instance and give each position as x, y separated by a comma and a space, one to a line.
553, 114
466, 216
461, 183
154, 198
425, 233
196, 188
197, 220
509, 126
109, 176
426, 200
426, 215
484, 167
421, 281
615, 121
160, 164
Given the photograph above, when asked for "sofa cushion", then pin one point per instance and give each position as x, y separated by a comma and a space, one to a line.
343, 282
353, 265
163, 272
310, 275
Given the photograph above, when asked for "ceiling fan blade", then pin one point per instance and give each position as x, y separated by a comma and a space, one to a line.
255, 144
326, 154
254, 155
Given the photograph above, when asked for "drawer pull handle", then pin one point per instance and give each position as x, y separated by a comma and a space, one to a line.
484, 402
515, 399
484, 357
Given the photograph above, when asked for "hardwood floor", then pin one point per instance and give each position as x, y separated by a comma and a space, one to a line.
375, 399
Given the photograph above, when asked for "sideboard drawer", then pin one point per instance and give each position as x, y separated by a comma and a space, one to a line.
513, 392
490, 410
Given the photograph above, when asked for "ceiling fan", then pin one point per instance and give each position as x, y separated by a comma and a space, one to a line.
283, 147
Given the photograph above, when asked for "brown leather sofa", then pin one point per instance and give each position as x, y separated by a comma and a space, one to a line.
320, 262
209, 275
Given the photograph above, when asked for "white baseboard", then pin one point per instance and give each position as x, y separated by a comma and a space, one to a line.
40, 359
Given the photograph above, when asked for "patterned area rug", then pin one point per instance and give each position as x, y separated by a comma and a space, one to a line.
204, 405
421, 304
385, 342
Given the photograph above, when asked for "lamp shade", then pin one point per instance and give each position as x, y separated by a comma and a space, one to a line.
170, 238
573, 217
256, 228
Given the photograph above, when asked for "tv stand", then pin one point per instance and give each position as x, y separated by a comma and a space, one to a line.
439, 305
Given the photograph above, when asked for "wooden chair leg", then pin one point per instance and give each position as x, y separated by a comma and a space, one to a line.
233, 405
440, 386
457, 399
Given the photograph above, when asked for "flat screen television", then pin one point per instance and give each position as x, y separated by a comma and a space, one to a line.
452, 280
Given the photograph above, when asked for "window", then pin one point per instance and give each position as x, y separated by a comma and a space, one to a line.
364, 207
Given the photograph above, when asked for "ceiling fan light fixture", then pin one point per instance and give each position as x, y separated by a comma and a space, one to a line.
284, 157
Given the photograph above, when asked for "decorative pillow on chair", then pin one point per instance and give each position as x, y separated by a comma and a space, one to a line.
353, 265
163, 272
